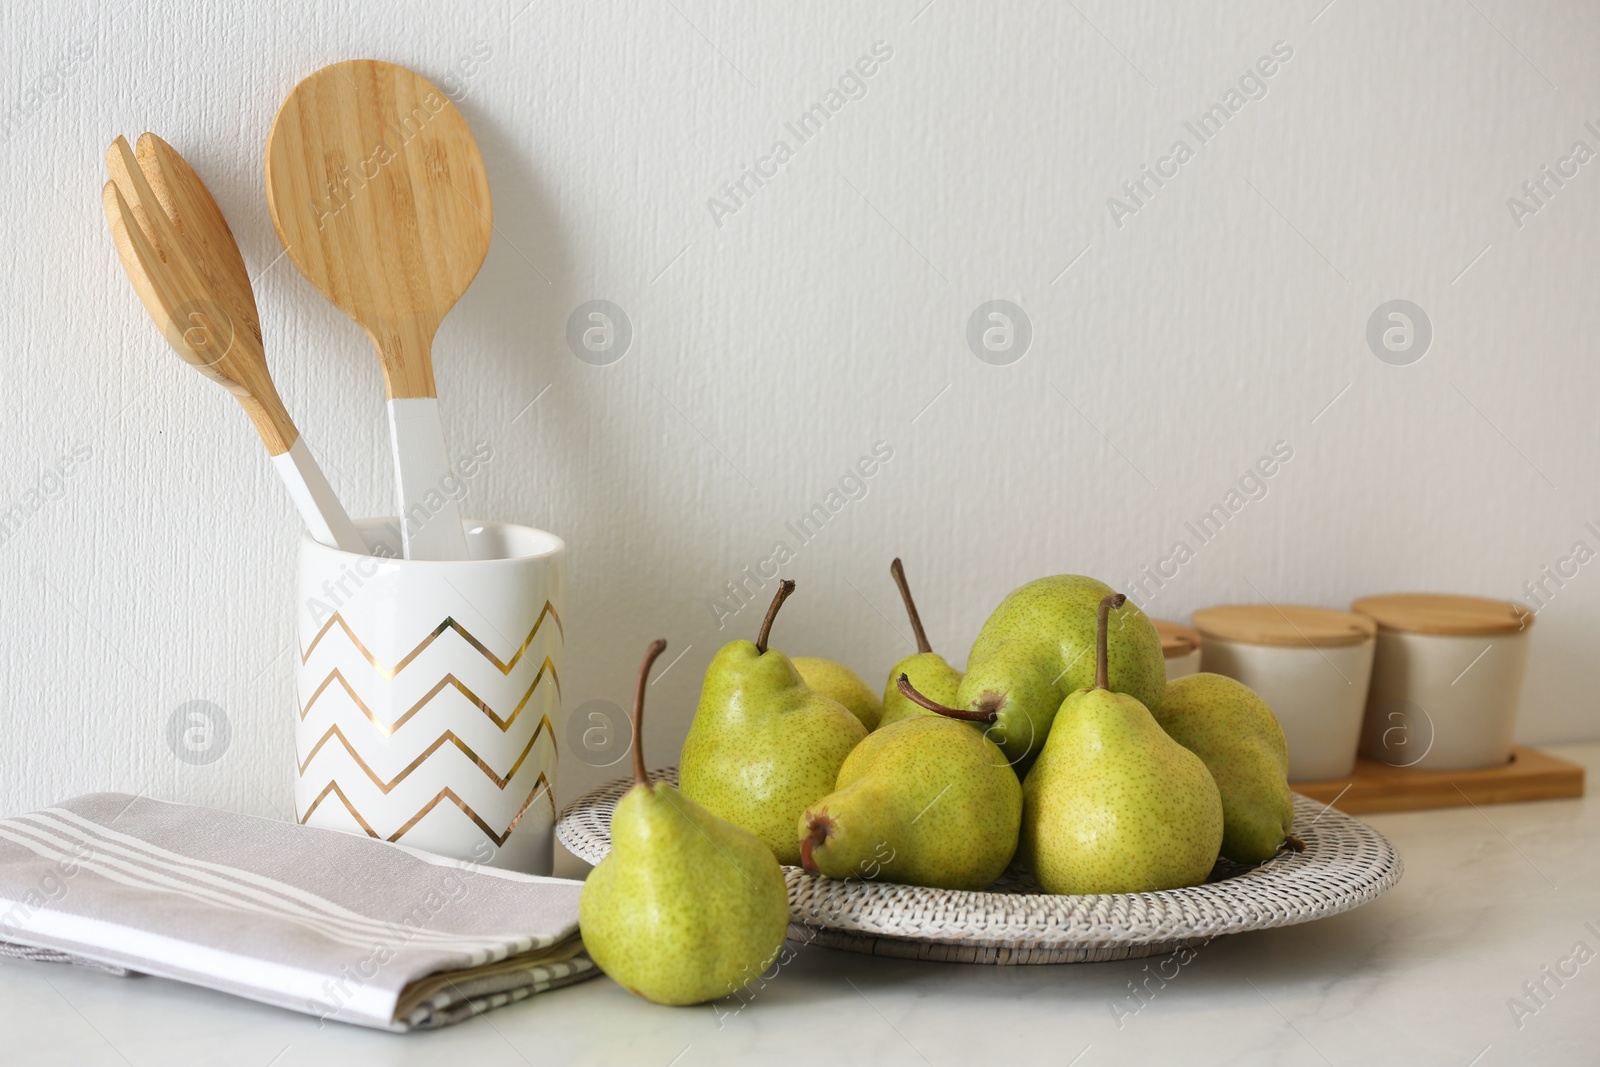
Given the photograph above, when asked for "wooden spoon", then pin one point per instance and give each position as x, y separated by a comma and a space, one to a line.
379, 195
185, 265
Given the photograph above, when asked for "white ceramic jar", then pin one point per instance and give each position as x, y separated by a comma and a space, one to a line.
1180, 645
1311, 665
427, 690
1446, 680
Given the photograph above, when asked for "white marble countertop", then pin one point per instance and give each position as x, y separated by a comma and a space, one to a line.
1428, 974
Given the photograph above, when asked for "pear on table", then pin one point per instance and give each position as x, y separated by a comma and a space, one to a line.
924, 801
835, 680
685, 908
930, 675
1039, 645
1113, 804
1236, 735
763, 744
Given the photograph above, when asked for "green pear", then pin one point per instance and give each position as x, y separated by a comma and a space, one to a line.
764, 744
929, 673
1114, 805
1237, 736
685, 908
924, 801
835, 680
1039, 645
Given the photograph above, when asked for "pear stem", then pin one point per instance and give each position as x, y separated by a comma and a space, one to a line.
819, 828
785, 587
910, 693
640, 776
1101, 670
899, 573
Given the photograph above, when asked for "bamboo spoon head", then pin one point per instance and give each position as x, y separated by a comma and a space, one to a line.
180, 255
379, 195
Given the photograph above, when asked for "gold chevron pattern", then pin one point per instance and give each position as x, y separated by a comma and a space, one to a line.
447, 681
448, 737
388, 673
542, 785
336, 735
333, 787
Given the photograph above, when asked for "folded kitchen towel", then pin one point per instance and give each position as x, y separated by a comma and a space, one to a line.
335, 925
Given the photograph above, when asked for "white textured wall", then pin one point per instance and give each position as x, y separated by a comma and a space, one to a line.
826, 313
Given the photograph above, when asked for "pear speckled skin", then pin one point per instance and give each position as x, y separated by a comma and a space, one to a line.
1114, 805
1038, 646
927, 801
930, 675
686, 908
763, 745
1236, 735
835, 680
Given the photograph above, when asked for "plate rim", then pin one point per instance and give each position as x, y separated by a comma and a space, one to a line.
1324, 880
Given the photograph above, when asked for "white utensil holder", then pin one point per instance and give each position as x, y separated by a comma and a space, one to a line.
427, 693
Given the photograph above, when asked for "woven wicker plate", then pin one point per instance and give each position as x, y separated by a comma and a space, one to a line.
1346, 863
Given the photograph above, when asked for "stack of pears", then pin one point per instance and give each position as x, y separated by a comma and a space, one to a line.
1062, 744
685, 908
1039, 645
764, 744
1113, 804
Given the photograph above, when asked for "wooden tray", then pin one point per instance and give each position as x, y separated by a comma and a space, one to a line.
1529, 775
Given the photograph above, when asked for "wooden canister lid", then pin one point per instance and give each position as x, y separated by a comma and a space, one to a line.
1287, 625
1176, 638
1443, 613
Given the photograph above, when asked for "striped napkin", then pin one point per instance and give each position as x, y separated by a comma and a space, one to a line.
331, 924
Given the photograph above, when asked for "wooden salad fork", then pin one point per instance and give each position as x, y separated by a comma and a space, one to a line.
180, 255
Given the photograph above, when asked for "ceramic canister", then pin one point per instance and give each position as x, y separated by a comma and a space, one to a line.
427, 690
1311, 666
1446, 679
1180, 645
